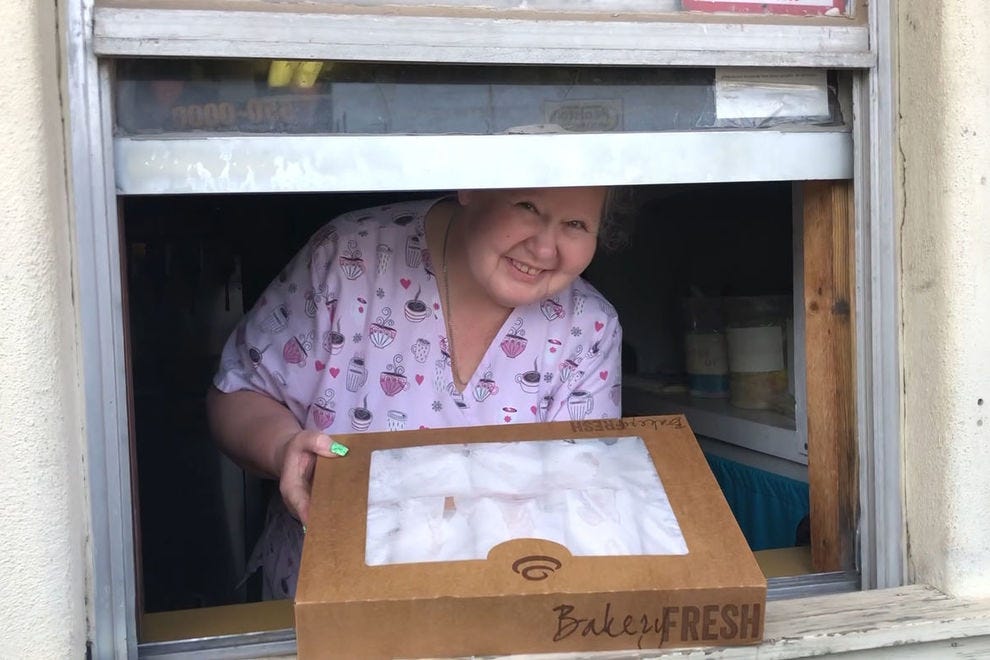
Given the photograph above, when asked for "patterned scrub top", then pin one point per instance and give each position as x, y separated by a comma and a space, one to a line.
351, 337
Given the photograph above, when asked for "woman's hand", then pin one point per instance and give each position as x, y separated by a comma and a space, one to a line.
296, 459
261, 435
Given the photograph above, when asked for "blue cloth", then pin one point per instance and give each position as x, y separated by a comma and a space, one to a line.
767, 506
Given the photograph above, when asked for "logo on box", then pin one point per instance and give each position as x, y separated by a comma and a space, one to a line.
536, 567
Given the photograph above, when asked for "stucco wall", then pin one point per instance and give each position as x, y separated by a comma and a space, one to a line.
944, 103
42, 547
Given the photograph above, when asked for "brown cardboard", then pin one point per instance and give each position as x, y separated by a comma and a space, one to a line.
713, 596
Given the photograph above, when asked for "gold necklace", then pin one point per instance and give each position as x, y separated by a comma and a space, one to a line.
449, 310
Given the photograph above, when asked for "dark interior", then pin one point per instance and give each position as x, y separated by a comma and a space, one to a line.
194, 262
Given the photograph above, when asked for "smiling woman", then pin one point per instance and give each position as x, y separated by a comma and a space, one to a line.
500, 329
547, 235
506, 249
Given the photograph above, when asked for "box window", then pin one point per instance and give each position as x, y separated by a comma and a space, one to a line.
599, 497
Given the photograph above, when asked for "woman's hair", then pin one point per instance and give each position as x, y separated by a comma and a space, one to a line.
618, 218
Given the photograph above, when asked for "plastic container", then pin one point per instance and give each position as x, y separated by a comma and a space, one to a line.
756, 329
705, 351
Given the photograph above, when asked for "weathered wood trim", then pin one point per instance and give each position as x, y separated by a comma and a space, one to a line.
832, 455
891, 623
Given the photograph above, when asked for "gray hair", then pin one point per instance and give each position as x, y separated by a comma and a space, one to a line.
618, 218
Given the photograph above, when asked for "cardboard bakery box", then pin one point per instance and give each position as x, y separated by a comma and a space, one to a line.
450, 597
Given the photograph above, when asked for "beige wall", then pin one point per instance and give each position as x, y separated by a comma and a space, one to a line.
944, 144
42, 545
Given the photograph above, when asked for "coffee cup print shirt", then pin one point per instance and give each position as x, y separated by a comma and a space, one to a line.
351, 337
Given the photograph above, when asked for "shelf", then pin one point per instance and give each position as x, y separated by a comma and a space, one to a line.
758, 430
754, 459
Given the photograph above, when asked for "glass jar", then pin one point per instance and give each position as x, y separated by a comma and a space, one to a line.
756, 328
706, 357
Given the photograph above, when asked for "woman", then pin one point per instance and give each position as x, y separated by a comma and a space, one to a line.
453, 312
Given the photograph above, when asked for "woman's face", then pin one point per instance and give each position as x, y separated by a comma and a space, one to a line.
524, 245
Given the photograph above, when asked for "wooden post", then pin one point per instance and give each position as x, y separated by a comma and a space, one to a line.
832, 455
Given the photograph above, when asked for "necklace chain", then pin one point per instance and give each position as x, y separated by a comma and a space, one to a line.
449, 309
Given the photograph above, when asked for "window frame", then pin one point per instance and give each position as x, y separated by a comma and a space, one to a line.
87, 38
471, 36
223, 163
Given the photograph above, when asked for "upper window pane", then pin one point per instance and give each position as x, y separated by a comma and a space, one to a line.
306, 97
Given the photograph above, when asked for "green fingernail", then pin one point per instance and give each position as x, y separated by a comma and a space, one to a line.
304, 529
339, 449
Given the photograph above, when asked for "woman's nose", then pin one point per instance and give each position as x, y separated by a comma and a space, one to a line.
544, 242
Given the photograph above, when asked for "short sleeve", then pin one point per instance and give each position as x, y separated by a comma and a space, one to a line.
598, 393
590, 367
273, 350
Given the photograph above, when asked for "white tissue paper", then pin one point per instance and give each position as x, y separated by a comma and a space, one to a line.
500, 468
430, 529
430, 471
573, 465
496, 520
597, 525
383, 525
456, 502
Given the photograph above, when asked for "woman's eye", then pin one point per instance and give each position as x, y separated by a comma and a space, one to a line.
577, 224
527, 206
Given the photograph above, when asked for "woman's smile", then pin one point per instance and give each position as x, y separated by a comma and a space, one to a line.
531, 271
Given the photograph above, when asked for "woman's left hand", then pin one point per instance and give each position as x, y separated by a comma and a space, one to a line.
260, 434
297, 461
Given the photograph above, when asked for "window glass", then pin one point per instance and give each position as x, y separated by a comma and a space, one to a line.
307, 97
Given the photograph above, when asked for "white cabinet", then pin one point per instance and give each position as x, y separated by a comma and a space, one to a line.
762, 439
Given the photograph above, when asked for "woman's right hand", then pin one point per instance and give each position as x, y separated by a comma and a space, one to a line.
296, 461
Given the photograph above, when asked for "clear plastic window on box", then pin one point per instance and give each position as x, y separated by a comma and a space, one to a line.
291, 97
596, 497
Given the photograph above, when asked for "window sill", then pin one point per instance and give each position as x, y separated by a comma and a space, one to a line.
918, 618
904, 617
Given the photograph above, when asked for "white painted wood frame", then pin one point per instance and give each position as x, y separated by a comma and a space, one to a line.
329, 32
323, 163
